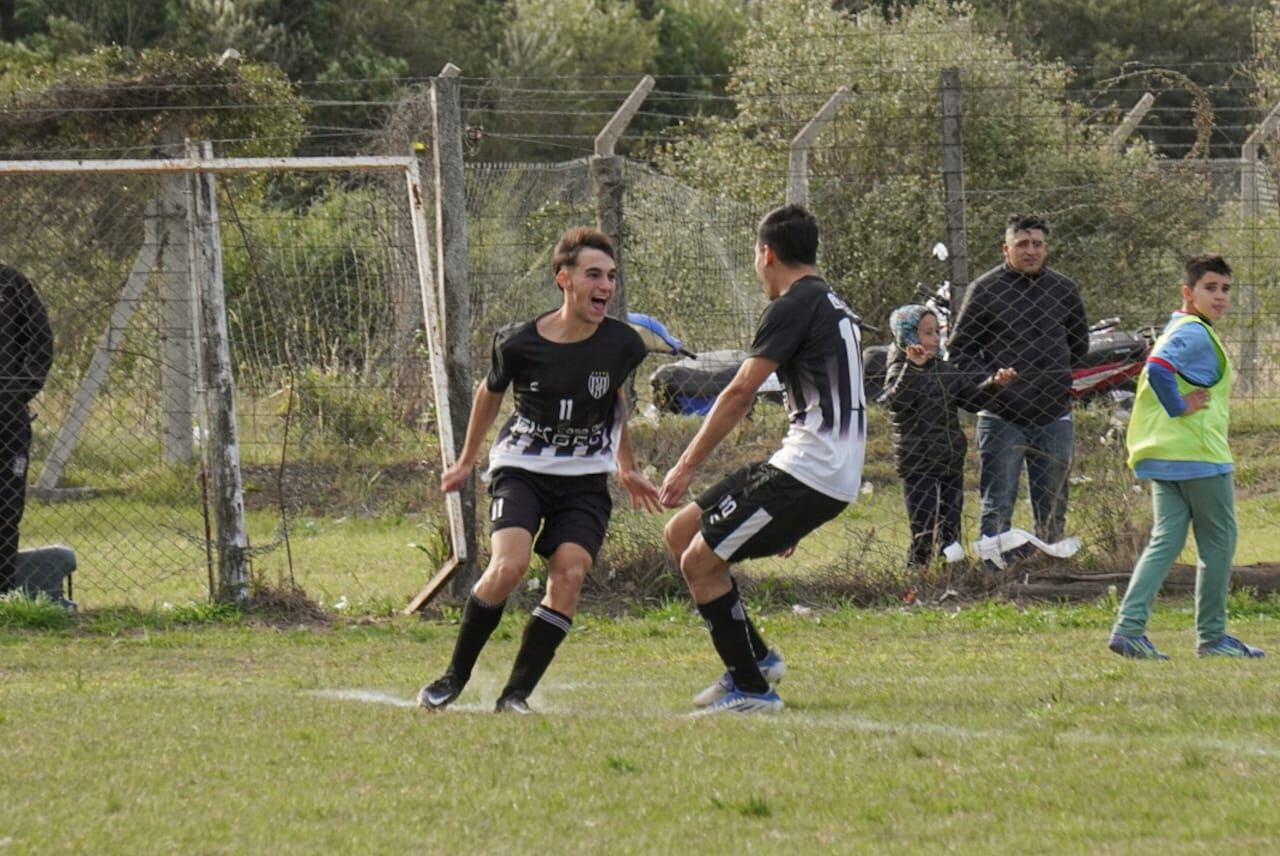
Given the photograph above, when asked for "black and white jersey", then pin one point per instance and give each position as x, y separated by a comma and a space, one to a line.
814, 338
568, 416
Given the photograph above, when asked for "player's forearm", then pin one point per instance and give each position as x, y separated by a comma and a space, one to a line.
484, 410
730, 408
626, 454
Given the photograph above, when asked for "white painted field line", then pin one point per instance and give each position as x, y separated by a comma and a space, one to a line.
853, 722
380, 697
367, 696
932, 729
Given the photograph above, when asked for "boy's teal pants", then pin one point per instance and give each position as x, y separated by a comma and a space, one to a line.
1208, 506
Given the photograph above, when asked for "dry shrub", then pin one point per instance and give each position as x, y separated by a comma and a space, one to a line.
285, 603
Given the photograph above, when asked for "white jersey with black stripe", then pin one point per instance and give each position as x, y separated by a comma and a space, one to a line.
813, 337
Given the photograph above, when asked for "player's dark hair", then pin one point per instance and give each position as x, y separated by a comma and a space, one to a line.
1198, 266
1025, 223
792, 233
575, 241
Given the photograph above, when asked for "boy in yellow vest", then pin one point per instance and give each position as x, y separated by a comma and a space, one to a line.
1177, 438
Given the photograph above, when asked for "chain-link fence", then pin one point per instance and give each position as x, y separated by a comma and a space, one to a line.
338, 442
113, 465
335, 416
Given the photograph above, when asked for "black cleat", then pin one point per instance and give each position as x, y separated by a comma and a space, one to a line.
512, 703
439, 693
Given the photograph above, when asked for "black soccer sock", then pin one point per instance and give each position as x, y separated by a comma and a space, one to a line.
726, 616
542, 636
479, 620
759, 648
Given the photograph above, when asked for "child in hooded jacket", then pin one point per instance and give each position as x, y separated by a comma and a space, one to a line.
929, 444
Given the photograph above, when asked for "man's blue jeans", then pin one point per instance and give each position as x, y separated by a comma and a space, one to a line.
1002, 448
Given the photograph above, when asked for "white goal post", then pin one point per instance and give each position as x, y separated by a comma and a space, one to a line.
208, 327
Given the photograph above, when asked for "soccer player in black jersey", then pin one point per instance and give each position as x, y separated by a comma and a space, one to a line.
550, 463
810, 338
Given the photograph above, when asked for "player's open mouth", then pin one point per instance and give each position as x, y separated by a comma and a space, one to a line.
601, 303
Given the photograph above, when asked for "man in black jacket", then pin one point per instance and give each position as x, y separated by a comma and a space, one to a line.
26, 353
1028, 316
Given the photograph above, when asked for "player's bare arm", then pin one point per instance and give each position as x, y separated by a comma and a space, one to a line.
484, 411
643, 493
730, 408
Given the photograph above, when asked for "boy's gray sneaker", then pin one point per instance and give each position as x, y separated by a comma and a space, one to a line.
1137, 647
773, 667
1229, 646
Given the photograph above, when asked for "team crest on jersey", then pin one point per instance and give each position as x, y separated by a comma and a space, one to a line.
598, 384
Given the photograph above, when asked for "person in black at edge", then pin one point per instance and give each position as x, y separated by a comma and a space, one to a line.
26, 353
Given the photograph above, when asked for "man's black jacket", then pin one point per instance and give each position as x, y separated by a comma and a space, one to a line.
26, 345
1035, 324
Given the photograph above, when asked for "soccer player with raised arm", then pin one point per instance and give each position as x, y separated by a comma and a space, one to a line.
810, 338
550, 463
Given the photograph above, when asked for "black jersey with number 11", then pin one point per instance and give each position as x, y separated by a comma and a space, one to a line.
568, 416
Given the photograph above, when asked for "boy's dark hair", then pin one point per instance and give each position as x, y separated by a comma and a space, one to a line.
792, 233
1025, 223
574, 241
1198, 266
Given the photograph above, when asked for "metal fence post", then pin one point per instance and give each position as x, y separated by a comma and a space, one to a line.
798, 155
1130, 122
224, 443
953, 183
610, 187
177, 369
454, 293
1251, 210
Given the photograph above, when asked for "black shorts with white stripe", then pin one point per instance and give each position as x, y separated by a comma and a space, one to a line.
760, 511
557, 509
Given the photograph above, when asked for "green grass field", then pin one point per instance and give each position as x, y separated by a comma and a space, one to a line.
990, 728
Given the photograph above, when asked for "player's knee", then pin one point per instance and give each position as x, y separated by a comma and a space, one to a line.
569, 577
673, 534
508, 569
694, 564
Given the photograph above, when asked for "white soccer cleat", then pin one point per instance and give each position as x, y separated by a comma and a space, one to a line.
773, 667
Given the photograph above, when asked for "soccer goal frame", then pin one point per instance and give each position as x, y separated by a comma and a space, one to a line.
216, 408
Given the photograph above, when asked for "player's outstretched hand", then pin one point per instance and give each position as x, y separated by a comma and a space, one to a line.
455, 477
643, 493
675, 486
787, 552
1006, 376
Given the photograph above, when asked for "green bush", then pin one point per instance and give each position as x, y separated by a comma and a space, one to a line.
336, 407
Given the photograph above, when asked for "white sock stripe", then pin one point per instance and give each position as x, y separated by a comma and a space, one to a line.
482, 602
753, 524
553, 618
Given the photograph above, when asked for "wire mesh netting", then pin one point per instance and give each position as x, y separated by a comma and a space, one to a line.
113, 454
340, 458
339, 446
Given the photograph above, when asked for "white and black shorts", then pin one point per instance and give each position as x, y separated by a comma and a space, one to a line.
567, 509
760, 511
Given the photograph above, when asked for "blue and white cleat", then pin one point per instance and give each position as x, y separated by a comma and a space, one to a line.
1229, 646
773, 667
740, 701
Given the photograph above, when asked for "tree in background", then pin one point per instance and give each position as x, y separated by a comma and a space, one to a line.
1120, 218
